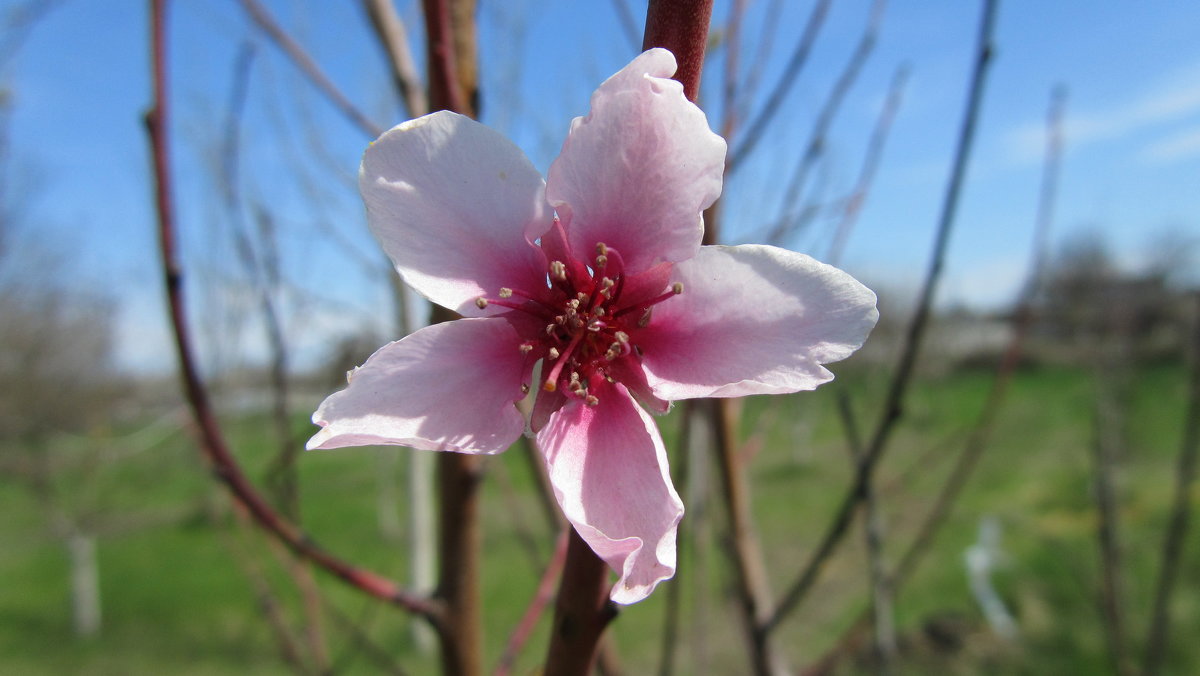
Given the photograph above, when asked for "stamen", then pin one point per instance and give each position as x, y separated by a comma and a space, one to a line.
552, 377
558, 270
601, 249
481, 302
591, 400
526, 348
601, 261
506, 292
644, 320
552, 353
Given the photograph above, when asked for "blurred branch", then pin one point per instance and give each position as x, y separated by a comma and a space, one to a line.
791, 73
866, 174
212, 440
627, 22
581, 612
753, 594
389, 28
893, 404
817, 139
1177, 527
681, 476
543, 596
309, 68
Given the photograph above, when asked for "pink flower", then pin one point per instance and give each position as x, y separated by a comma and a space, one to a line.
615, 298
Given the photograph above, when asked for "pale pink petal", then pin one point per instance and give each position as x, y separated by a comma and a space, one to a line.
608, 468
452, 202
448, 387
637, 172
753, 320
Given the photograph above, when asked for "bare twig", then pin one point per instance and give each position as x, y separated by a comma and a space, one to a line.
545, 592
213, 443
309, 67
870, 164
389, 28
1177, 527
791, 73
682, 476
893, 404
825, 117
753, 594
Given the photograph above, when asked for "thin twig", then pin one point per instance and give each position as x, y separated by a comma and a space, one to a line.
389, 28
581, 613
1177, 527
545, 593
791, 73
893, 404
817, 139
682, 476
309, 68
213, 444
866, 174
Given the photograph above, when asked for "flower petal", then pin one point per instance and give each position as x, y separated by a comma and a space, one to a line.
753, 320
609, 471
447, 387
637, 172
452, 203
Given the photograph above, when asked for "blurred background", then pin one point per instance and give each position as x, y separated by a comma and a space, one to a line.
1030, 515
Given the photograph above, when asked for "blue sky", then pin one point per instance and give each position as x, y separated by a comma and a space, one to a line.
80, 81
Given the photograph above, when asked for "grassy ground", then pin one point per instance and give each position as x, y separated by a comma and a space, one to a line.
177, 599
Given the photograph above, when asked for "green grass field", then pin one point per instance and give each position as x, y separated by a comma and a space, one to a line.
177, 598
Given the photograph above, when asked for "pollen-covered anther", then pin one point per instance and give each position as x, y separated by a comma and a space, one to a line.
558, 270
599, 312
583, 298
525, 348
621, 337
481, 302
613, 352
601, 249
524, 388
677, 288
591, 400
601, 261
552, 353
505, 292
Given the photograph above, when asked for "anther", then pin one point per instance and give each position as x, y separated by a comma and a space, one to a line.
644, 320
552, 353
524, 388
558, 270
505, 292
591, 400
526, 348
599, 312
601, 249
601, 261
677, 288
621, 336
481, 302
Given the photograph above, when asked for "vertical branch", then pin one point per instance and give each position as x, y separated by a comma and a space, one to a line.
460, 539
753, 595
545, 592
581, 612
682, 27
1108, 444
1173, 543
894, 401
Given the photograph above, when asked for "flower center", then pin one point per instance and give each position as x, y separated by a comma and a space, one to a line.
590, 316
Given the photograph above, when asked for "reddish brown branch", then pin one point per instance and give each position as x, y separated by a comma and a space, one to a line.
682, 27
581, 612
213, 443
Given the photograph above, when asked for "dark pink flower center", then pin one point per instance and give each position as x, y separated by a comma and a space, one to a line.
590, 315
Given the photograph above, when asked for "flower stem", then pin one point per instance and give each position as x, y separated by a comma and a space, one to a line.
581, 612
